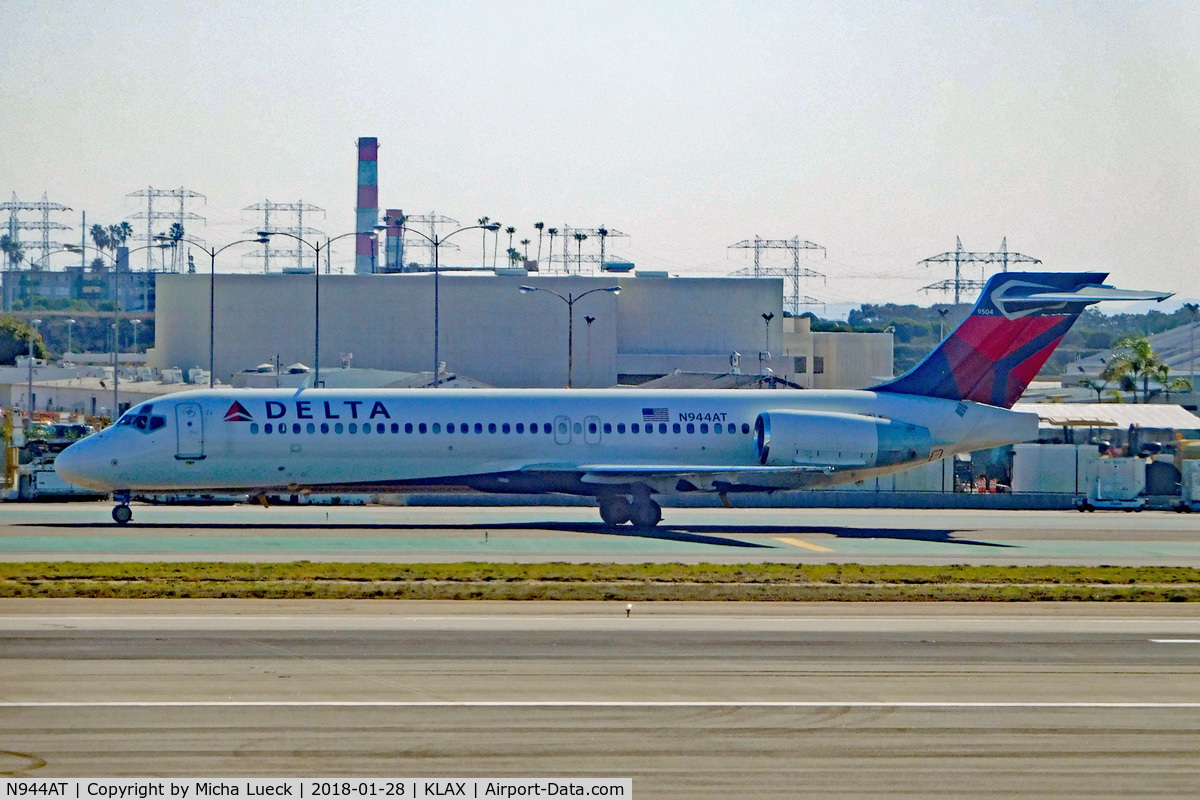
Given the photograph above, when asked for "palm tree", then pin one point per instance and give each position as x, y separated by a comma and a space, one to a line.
579, 237
13, 249
1133, 358
510, 231
514, 256
100, 237
495, 244
525, 244
174, 237
539, 226
603, 231
482, 222
1095, 386
550, 258
1162, 373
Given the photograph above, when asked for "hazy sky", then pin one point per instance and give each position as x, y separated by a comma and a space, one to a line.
880, 131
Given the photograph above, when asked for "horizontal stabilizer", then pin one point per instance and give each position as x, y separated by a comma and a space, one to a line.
1097, 294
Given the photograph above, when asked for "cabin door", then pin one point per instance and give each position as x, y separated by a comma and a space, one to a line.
189, 431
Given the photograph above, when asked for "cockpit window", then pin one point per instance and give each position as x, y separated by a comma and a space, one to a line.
143, 420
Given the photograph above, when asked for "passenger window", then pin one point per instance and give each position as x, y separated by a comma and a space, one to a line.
450, 428
620, 427
366, 427
379, 428
662, 427
703, 427
479, 427
282, 428
690, 428
268, 428
546, 427
395, 427
717, 428
491, 427
562, 427
421, 427
295, 427
578, 428
437, 427
607, 427
533, 427
504, 428
745, 427
591, 427
635, 428
311, 428
253, 427
337, 427
520, 427
353, 427
675, 428
408, 427
324, 427
732, 428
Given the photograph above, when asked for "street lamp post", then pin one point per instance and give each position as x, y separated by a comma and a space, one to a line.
1193, 309
212, 296
70, 325
436, 242
571, 299
766, 341
316, 248
135, 323
162, 245
36, 323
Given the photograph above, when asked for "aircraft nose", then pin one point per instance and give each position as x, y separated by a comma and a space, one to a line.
83, 465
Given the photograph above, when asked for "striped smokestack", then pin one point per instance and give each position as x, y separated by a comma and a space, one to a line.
395, 239
367, 208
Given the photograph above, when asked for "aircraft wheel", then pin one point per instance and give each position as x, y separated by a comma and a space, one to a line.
615, 510
646, 513
122, 514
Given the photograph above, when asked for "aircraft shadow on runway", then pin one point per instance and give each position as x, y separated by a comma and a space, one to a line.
723, 535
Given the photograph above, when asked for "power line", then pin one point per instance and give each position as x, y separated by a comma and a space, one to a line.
150, 215
298, 208
794, 245
960, 257
45, 225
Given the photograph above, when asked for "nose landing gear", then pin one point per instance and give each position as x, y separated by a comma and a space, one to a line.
122, 513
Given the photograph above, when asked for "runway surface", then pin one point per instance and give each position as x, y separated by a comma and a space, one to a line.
84, 531
690, 700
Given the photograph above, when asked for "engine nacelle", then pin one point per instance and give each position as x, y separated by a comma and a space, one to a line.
816, 438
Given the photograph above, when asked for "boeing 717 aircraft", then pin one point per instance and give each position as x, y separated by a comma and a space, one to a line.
622, 447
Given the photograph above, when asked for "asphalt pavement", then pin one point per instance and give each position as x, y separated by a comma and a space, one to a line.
688, 699
84, 531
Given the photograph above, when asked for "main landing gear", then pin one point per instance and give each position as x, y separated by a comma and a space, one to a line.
641, 511
122, 513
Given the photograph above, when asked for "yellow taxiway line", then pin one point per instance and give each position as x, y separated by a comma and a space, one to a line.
820, 548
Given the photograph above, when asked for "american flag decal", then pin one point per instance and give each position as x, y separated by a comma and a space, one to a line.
655, 415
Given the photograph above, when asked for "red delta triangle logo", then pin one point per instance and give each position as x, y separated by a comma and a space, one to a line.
238, 413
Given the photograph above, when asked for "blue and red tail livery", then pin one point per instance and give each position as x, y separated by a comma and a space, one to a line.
1016, 324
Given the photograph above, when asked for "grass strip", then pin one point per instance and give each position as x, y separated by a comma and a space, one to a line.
627, 582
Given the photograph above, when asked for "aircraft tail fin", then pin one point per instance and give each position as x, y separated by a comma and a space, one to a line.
997, 350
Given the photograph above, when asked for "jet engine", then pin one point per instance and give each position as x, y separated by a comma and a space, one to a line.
827, 438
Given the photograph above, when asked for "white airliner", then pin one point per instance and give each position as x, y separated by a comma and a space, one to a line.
620, 446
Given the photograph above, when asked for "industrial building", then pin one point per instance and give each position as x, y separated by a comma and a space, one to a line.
492, 332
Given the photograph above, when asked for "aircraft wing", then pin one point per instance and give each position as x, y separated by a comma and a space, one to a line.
666, 477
